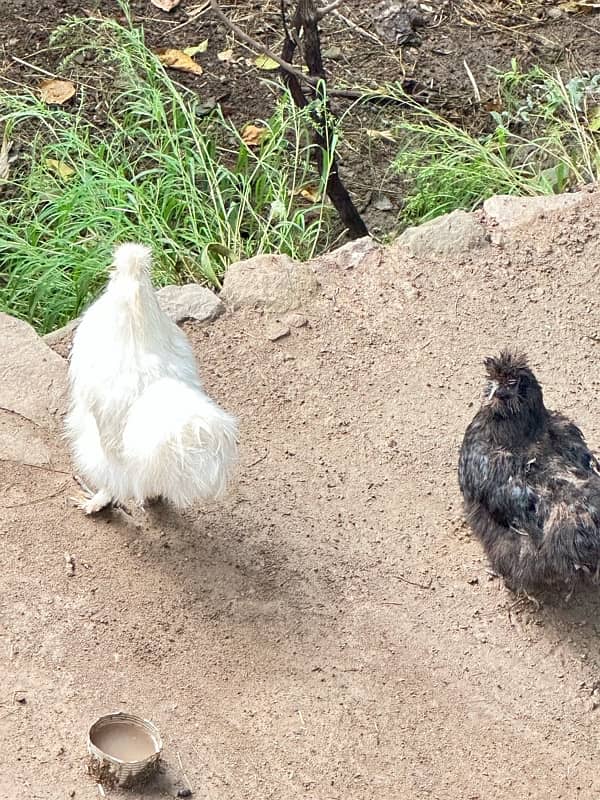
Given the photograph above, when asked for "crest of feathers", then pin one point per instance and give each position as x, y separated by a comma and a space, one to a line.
506, 365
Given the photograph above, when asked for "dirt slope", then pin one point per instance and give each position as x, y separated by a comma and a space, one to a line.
328, 632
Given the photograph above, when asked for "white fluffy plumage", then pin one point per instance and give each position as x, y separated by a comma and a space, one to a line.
140, 425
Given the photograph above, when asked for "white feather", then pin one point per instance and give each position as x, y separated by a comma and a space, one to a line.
140, 425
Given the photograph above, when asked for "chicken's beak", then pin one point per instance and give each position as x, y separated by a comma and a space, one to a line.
493, 390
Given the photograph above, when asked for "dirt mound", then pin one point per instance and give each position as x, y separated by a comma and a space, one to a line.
329, 631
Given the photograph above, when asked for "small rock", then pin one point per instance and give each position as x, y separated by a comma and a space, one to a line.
383, 203
517, 212
332, 53
275, 332
20, 698
273, 282
61, 339
70, 565
295, 320
364, 253
410, 292
497, 238
450, 235
191, 301
396, 23
184, 793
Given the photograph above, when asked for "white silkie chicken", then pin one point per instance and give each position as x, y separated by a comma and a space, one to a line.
140, 425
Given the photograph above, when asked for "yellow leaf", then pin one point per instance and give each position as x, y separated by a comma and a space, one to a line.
62, 169
387, 136
166, 5
177, 59
310, 193
225, 55
266, 63
252, 135
56, 91
199, 48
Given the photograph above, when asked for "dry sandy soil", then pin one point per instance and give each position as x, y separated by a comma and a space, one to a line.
329, 631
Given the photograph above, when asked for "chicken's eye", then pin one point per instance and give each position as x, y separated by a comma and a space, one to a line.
512, 382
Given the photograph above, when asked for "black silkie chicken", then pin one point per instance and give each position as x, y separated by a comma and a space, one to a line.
530, 484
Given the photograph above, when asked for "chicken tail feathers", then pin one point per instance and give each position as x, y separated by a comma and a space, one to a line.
183, 455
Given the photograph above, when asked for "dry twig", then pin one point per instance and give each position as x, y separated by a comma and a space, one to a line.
257, 47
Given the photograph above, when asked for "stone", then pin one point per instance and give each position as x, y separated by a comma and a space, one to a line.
516, 212
33, 394
34, 377
445, 237
277, 331
191, 301
333, 52
274, 283
61, 339
295, 320
364, 253
383, 203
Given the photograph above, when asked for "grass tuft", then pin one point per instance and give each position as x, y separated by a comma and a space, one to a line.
544, 138
158, 169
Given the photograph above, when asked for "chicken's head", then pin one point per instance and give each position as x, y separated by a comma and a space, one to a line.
511, 387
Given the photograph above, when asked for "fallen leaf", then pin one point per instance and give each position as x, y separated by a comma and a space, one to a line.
310, 193
225, 55
252, 135
56, 91
386, 136
62, 169
165, 5
266, 63
177, 59
199, 48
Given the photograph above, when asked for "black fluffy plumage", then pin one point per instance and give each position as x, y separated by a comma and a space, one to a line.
530, 484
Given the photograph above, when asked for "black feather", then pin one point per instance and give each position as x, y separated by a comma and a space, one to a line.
530, 484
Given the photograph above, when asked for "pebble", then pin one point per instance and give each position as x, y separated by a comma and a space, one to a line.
276, 332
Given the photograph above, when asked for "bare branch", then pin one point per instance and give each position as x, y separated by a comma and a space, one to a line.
348, 94
260, 47
323, 11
